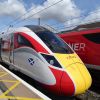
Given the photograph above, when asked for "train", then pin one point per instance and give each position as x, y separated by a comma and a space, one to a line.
45, 57
86, 43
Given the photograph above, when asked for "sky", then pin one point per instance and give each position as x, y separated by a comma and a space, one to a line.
60, 14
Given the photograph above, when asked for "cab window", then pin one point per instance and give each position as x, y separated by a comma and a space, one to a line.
21, 41
56, 44
94, 37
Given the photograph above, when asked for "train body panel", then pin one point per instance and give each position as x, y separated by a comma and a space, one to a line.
31, 64
43, 56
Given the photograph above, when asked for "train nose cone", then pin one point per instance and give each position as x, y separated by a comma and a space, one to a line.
81, 79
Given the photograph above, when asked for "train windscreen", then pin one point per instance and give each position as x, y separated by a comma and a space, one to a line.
54, 42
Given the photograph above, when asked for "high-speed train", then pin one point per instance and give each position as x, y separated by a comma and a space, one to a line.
43, 56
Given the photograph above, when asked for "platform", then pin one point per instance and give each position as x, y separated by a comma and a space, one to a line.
14, 88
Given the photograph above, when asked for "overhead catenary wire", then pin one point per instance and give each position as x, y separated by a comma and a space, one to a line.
75, 18
18, 20
39, 11
71, 26
55, 25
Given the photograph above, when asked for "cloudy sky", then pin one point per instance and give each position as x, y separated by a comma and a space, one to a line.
56, 13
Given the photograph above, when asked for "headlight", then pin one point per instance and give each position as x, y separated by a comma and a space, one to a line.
51, 60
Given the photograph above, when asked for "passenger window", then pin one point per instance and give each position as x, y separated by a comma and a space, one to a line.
94, 37
22, 41
6, 43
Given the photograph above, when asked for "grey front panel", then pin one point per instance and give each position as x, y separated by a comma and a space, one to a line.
30, 63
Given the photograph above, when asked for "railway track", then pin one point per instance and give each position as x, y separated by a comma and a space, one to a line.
92, 94
95, 80
89, 95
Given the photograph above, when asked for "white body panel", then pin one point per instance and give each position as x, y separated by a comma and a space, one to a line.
39, 70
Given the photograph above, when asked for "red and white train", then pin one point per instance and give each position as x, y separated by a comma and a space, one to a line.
42, 55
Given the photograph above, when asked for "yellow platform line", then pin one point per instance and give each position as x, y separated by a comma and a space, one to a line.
10, 81
17, 82
11, 88
4, 74
19, 98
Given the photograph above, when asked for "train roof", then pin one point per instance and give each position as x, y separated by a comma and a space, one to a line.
36, 28
73, 33
87, 26
83, 29
27, 28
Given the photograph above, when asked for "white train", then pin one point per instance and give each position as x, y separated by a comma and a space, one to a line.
42, 55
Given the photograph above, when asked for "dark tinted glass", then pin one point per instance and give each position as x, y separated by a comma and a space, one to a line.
54, 42
51, 60
22, 41
51, 40
94, 37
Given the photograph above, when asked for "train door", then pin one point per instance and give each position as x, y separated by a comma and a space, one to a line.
0, 49
11, 57
7, 48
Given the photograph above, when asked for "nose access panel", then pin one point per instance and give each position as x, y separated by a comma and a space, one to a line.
80, 77
76, 71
